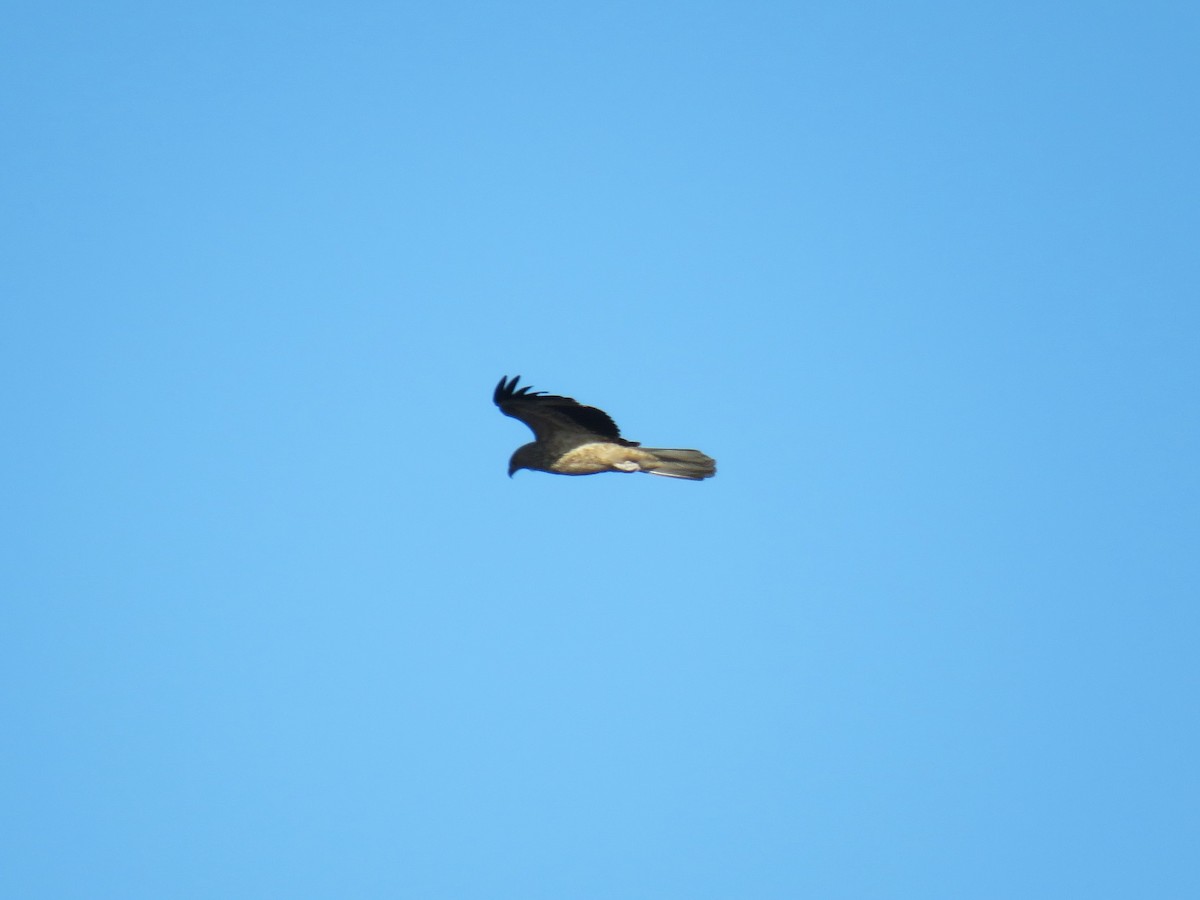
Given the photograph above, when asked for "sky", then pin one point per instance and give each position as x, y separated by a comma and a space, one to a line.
922, 277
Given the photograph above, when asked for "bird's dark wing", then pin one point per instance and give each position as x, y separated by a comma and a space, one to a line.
550, 416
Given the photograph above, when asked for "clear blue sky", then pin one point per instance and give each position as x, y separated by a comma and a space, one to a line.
923, 277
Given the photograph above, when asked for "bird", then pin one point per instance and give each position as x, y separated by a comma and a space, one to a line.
573, 439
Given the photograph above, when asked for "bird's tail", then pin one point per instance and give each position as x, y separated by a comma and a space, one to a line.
691, 464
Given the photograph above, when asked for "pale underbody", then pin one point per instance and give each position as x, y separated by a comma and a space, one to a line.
604, 457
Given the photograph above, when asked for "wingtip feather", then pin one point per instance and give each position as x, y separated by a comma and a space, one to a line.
505, 389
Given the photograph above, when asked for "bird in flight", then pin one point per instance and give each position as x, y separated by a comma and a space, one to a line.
573, 439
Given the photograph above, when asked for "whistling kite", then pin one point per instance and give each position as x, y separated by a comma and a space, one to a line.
573, 439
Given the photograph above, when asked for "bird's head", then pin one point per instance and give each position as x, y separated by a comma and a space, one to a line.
525, 457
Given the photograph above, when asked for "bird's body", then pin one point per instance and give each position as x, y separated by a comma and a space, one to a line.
573, 439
